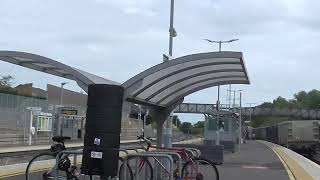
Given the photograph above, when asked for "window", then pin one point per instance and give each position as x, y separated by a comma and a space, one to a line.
44, 123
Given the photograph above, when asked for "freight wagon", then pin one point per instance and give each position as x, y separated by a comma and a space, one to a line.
296, 134
259, 133
299, 134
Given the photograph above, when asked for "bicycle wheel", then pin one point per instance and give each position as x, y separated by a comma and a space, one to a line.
145, 171
39, 166
199, 169
121, 171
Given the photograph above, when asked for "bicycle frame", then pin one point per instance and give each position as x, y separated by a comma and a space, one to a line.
181, 151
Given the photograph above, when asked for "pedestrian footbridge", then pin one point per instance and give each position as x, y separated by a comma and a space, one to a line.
211, 109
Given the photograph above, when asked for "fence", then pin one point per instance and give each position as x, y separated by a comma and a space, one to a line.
14, 120
13, 117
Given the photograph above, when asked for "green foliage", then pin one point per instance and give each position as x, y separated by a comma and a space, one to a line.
302, 99
6, 81
196, 131
266, 105
6, 85
199, 124
176, 120
186, 127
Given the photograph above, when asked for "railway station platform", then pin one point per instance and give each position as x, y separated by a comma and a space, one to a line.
261, 160
258, 160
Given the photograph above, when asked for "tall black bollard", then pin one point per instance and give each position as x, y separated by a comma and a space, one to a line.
102, 130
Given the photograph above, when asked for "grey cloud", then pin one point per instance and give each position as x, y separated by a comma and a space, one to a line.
118, 39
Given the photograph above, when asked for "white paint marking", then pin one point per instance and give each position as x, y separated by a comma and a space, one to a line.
254, 167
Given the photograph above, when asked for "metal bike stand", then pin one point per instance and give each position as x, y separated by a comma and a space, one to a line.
196, 152
148, 155
134, 149
75, 157
125, 151
169, 153
190, 152
65, 152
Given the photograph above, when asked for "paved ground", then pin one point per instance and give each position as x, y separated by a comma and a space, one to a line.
256, 162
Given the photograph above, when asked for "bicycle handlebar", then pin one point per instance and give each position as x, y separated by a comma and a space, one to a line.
147, 139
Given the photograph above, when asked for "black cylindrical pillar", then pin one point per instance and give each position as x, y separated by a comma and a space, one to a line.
102, 130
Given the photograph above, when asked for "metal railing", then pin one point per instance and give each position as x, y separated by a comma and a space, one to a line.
163, 161
148, 155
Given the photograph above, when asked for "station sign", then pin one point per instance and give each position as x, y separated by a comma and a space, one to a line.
69, 112
34, 108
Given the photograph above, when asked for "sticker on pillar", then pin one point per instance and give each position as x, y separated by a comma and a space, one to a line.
96, 141
96, 155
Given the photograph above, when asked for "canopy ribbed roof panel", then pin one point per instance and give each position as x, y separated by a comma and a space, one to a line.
53, 67
168, 82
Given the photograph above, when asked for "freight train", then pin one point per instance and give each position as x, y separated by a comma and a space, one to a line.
299, 135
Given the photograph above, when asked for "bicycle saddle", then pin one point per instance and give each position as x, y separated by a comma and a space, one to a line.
60, 139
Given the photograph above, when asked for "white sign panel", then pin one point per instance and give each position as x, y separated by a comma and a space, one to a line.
96, 155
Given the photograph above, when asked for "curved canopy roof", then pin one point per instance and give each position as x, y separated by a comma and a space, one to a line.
168, 82
161, 85
53, 67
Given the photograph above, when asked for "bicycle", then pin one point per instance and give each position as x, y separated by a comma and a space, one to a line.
39, 166
193, 168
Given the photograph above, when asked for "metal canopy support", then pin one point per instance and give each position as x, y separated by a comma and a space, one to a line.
160, 117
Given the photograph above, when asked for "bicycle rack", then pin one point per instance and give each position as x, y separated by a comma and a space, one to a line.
190, 152
196, 152
170, 160
126, 151
168, 153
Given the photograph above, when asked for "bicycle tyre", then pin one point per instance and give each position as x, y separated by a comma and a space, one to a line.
185, 167
33, 160
131, 174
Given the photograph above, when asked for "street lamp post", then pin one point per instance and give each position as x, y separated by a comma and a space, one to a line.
172, 33
61, 92
218, 101
240, 120
218, 117
250, 110
59, 129
220, 42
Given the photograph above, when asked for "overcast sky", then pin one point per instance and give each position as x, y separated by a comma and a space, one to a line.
117, 39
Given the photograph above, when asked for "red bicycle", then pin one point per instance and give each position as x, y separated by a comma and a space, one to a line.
194, 167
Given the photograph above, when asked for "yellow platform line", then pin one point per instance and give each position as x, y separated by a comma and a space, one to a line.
298, 172
290, 174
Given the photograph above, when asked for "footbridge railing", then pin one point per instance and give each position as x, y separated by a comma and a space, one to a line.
247, 111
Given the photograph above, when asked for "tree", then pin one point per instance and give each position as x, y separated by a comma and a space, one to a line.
266, 105
6, 81
300, 96
186, 127
6, 85
199, 124
280, 102
176, 120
